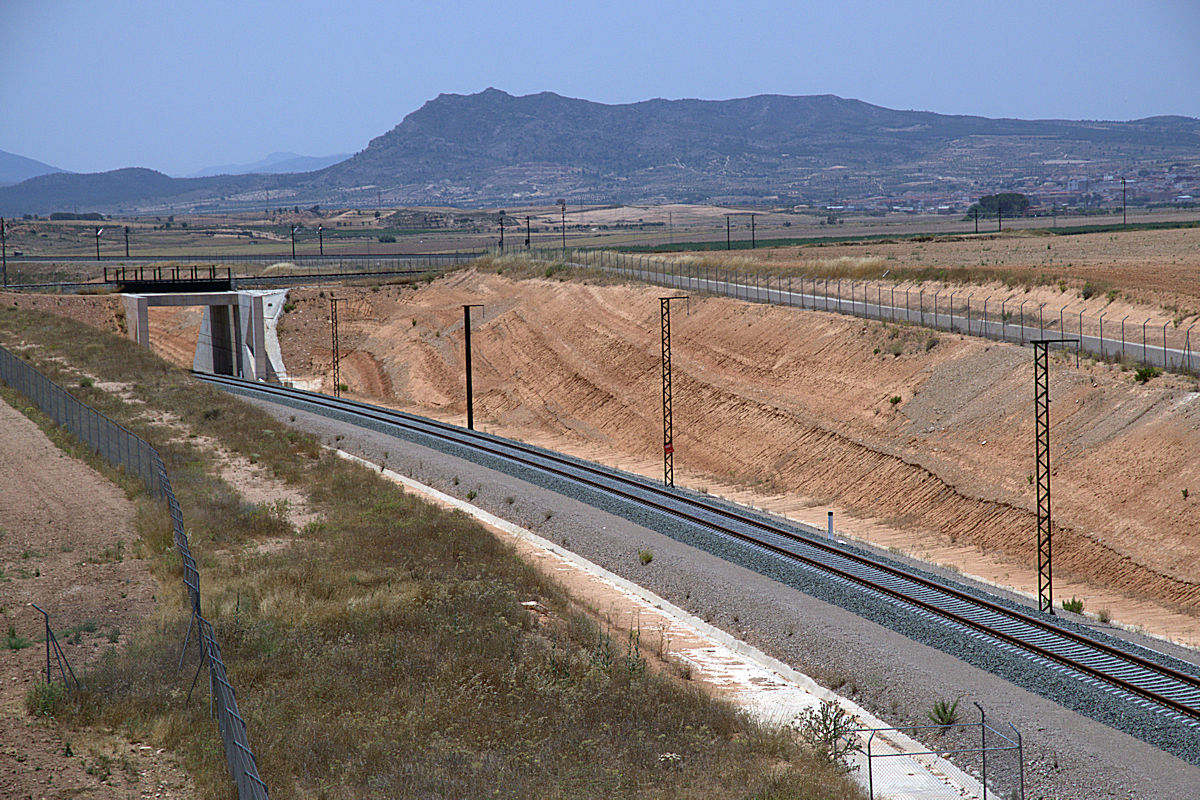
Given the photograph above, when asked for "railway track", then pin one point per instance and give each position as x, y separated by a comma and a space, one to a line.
1124, 670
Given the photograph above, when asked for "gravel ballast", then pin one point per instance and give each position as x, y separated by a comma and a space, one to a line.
890, 659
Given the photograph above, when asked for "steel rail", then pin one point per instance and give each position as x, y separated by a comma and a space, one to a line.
1126, 671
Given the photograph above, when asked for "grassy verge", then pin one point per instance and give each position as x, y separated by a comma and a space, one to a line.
384, 650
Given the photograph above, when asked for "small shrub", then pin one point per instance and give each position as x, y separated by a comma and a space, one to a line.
1104, 615
828, 730
86, 383
944, 712
1087, 291
1112, 295
508, 501
931, 343
646, 556
471, 495
45, 700
387, 238
14, 640
342, 387
1184, 492
894, 399
1074, 605
289, 308
1144, 374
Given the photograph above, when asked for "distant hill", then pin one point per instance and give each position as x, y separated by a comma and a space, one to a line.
274, 164
15, 168
492, 145
124, 191
494, 148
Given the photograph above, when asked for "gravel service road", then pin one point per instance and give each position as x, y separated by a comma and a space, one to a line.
1068, 755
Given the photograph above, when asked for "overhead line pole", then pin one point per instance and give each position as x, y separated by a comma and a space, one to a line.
668, 426
1041, 409
333, 329
467, 348
4, 250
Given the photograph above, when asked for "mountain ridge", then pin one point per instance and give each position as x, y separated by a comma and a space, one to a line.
495, 148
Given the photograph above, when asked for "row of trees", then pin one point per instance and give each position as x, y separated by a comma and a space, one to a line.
1007, 204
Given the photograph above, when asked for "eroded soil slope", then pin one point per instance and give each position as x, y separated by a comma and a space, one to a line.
799, 405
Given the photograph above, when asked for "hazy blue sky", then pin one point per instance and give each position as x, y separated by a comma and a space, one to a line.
178, 85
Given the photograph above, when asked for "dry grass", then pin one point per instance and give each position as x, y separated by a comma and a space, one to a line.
384, 651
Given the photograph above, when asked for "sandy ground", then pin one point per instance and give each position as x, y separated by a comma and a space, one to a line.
790, 410
1158, 267
67, 543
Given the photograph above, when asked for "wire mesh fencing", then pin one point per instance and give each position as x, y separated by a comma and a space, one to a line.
1145, 339
126, 451
974, 759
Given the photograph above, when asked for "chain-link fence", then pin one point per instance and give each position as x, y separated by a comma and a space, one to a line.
124, 449
1153, 341
989, 761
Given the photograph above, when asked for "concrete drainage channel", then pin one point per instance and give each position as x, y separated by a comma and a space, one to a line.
766, 688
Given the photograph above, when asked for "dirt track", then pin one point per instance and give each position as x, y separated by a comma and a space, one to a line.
67, 543
796, 406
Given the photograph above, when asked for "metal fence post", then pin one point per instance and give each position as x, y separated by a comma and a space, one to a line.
1144, 361
1020, 760
870, 768
1187, 344
983, 746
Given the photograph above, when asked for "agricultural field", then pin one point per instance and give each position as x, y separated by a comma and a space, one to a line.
378, 232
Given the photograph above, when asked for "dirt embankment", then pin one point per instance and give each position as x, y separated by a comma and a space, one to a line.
799, 405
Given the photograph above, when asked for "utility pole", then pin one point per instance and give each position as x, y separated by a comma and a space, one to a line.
467, 343
1123, 217
752, 242
526, 231
668, 427
98, 232
294, 228
321, 238
728, 241
127, 241
1041, 412
4, 249
333, 328
999, 217
562, 204
502, 231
